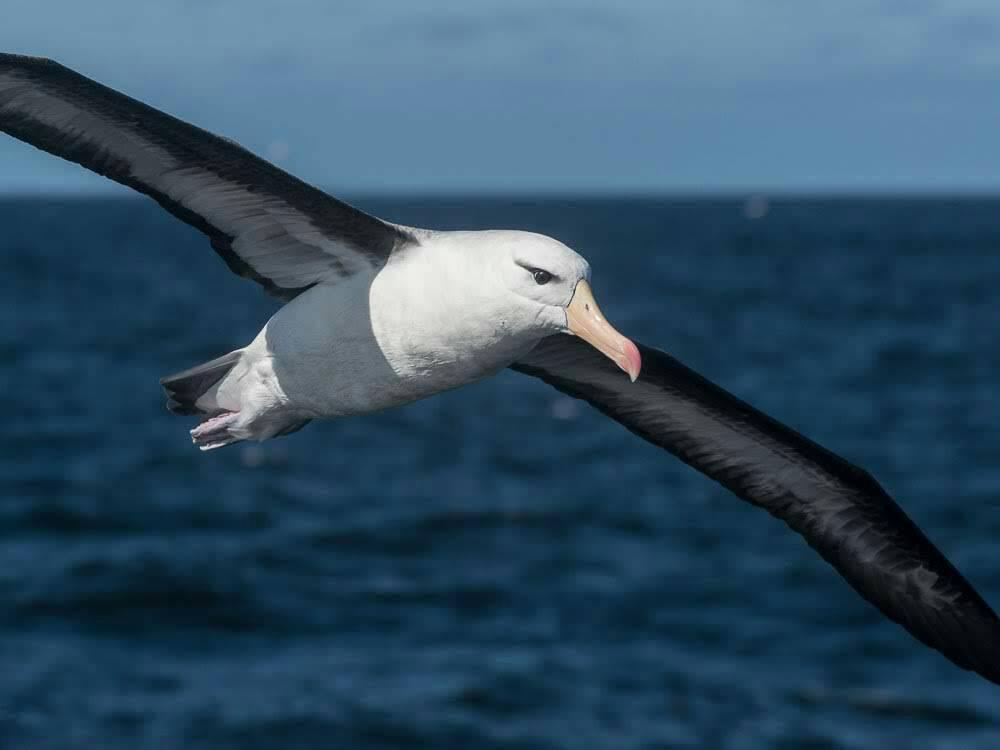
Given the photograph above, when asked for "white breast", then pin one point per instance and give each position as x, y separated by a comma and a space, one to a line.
429, 321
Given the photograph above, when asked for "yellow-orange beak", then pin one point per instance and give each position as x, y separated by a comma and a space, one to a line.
585, 319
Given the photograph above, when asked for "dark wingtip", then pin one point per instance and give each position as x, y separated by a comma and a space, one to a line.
838, 508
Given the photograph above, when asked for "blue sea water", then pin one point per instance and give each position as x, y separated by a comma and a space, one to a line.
500, 566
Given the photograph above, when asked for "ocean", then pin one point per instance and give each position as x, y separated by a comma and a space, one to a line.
499, 566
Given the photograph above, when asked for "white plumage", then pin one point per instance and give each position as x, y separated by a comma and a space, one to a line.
452, 308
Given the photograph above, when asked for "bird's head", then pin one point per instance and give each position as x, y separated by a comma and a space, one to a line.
555, 281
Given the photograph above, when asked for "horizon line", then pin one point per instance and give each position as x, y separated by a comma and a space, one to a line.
555, 194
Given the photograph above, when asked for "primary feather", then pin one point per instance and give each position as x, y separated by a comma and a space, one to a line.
840, 510
266, 224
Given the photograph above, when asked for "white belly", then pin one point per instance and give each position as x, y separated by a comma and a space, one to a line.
326, 355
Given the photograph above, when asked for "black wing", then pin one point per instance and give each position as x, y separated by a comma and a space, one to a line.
839, 508
266, 224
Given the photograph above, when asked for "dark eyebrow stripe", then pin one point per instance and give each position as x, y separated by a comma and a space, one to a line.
532, 269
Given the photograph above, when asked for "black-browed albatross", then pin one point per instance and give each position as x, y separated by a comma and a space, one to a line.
379, 314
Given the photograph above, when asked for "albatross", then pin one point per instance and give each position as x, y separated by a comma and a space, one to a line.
377, 314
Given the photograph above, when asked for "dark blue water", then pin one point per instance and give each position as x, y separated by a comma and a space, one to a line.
498, 566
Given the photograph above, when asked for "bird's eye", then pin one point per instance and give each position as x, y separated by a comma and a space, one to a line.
541, 277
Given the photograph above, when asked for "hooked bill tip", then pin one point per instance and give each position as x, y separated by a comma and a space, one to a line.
633, 360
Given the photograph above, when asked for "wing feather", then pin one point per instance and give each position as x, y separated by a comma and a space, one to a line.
840, 510
266, 224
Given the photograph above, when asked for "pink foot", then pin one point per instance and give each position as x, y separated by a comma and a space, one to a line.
214, 431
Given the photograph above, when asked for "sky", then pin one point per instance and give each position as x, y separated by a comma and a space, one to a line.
502, 96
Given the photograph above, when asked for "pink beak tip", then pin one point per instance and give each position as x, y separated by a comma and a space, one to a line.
633, 360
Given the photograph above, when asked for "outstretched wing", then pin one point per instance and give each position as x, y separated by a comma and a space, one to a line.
266, 224
840, 509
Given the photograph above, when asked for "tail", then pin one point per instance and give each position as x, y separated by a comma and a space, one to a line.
185, 388
218, 426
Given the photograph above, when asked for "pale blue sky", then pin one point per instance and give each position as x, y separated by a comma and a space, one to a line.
523, 95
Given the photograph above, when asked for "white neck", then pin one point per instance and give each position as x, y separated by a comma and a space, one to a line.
441, 312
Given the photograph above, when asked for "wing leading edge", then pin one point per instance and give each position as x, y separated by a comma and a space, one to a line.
838, 508
266, 224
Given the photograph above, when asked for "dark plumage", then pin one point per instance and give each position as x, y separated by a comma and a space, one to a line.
838, 508
288, 236
185, 388
266, 224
